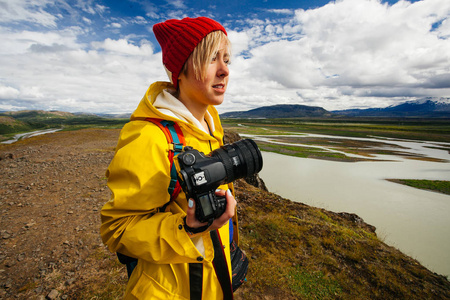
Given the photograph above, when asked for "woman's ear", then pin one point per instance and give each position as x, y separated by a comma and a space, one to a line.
180, 80
183, 74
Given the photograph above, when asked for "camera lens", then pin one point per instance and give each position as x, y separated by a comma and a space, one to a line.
241, 159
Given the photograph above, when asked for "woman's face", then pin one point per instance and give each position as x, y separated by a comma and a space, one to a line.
210, 91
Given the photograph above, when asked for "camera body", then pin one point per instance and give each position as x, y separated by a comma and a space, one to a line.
200, 175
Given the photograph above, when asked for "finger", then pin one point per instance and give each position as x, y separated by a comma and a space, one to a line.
190, 213
191, 207
231, 201
229, 211
220, 192
228, 194
191, 219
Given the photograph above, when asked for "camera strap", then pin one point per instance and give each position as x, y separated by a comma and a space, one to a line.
221, 266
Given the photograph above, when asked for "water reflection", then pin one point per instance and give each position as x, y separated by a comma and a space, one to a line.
338, 144
413, 220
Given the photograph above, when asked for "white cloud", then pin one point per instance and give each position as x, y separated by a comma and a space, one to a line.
239, 41
90, 7
123, 47
42, 74
7, 92
281, 11
19, 42
178, 4
26, 11
348, 53
87, 21
140, 20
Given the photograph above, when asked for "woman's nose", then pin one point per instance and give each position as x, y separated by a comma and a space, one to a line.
223, 70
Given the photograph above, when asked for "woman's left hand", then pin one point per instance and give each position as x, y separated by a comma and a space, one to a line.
192, 221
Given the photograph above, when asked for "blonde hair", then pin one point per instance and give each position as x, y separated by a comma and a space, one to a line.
205, 51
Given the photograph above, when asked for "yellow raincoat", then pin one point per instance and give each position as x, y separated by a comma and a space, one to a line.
138, 178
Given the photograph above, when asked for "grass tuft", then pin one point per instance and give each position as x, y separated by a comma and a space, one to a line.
439, 186
313, 285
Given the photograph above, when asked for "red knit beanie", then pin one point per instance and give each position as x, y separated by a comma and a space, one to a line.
178, 38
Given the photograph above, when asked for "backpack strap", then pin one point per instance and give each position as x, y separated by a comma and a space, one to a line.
176, 142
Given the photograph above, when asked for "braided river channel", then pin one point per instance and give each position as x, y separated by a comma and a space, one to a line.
415, 221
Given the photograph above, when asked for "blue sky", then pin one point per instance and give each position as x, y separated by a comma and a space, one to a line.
100, 56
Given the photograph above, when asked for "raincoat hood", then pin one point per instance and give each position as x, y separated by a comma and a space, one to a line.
147, 109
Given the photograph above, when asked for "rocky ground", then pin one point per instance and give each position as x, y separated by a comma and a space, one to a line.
53, 186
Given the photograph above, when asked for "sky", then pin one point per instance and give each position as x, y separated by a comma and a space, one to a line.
101, 56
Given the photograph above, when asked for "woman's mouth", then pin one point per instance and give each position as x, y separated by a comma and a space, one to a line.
219, 87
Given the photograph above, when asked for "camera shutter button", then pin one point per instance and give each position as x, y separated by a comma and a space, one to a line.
189, 159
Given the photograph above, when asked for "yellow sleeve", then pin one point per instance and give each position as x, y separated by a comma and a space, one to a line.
138, 178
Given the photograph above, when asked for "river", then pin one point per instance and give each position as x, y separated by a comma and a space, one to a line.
415, 221
26, 135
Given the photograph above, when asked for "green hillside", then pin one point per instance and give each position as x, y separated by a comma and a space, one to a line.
28, 120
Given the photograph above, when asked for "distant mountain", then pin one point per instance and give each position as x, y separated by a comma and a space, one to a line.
423, 108
37, 114
280, 111
28, 120
116, 116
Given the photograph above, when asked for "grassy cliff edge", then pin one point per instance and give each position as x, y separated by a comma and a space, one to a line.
301, 252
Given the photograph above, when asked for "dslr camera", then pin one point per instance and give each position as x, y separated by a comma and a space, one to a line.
200, 175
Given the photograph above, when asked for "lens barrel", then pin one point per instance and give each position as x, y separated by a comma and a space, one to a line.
241, 159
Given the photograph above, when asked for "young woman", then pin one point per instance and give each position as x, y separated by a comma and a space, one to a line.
173, 262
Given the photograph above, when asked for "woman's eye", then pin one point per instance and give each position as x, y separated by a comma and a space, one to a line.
226, 59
